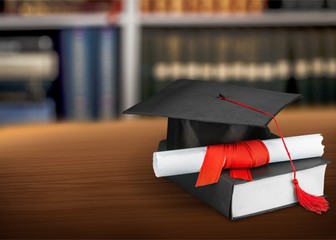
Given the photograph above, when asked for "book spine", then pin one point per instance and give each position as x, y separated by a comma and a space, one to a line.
316, 65
281, 63
222, 6
238, 58
253, 59
298, 48
221, 47
146, 64
76, 74
176, 6
204, 56
145, 6
165, 50
185, 50
205, 6
107, 75
329, 82
191, 50
159, 6
153, 59
191, 6
267, 62
174, 55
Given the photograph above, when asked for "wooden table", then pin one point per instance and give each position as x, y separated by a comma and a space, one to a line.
95, 180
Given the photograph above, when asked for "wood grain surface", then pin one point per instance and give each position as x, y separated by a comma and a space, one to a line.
95, 180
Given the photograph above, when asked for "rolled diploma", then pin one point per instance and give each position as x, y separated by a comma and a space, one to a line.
189, 160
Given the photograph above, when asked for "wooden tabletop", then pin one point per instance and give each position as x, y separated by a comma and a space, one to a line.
95, 180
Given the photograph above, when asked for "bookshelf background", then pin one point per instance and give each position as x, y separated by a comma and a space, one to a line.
124, 51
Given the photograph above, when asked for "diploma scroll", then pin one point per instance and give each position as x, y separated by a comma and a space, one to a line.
189, 160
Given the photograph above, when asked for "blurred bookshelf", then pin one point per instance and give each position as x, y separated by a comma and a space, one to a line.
95, 58
59, 60
277, 45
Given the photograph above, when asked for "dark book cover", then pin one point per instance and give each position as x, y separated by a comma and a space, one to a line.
104, 72
76, 73
219, 196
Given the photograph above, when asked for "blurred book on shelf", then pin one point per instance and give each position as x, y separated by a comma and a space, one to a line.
45, 7
283, 59
105, 74
89, 73
76, 73
28, 66
202, 6
231, 6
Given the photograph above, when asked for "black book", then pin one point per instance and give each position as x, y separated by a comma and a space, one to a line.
268, 191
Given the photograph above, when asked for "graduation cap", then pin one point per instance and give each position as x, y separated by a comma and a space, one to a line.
196, 117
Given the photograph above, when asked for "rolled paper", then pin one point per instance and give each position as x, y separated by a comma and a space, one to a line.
189, 160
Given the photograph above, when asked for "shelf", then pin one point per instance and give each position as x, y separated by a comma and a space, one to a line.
57, 21
302, 18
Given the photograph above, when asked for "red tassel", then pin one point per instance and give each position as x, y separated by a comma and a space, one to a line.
310, 202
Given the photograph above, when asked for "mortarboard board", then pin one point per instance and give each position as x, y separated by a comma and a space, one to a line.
196, 117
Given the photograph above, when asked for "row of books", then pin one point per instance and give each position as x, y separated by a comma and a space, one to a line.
42, 7
230, 6
89, 73
201, 6
282, 59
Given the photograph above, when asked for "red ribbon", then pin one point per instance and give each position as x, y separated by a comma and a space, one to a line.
238, 157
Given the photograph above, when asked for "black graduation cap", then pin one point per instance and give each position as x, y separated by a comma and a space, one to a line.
197, 117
